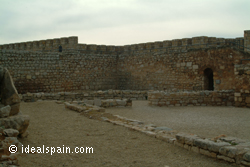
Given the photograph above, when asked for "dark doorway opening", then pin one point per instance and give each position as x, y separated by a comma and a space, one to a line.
208, 79
60, 48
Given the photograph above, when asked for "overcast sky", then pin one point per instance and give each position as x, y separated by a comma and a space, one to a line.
121, 22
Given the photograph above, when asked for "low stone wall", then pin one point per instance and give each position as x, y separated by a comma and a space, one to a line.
242, 99
157, 98
96, 105
91, 95
105, 103
197, 98
230, 149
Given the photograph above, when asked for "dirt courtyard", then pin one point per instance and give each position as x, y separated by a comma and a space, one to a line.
52, 125
207, 121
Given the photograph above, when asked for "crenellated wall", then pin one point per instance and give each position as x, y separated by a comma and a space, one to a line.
177, 64
49, 45
247, 41
180, 45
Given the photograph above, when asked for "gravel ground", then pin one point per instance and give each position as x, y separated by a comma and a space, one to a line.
206, 121
114, 146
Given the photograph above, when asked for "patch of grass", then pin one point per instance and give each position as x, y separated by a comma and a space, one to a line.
233, 143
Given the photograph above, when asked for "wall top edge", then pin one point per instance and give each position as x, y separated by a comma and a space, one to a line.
74, 40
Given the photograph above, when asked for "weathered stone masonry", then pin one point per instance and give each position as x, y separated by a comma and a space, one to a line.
55, 72
179, 64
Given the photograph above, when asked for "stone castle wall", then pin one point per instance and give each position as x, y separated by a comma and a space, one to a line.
163, 70
49, 45
242, 84
168, 65
55, 72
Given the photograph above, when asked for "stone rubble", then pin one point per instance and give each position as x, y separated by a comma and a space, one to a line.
12, 123
90, 105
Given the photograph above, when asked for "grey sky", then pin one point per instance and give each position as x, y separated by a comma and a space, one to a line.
120, 22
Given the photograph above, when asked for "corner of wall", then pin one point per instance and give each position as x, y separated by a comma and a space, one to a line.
247, 41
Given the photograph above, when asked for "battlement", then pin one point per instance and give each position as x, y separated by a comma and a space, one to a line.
175, 45
181, 45
47, 45
186, 43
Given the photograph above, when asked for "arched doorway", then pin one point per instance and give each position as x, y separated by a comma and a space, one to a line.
208, 79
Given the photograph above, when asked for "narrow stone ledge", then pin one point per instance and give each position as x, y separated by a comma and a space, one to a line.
202, 143
245, 163
153, 134
228, 151
165, 138
208, 153
225, 158
215, 146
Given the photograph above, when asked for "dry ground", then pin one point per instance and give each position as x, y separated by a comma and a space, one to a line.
206, 121
54, 126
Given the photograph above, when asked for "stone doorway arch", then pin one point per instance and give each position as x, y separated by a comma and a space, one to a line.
208, 79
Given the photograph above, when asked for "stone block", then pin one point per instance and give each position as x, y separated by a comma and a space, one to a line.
121, 102
18, 122
202, 143
183, 64
237, 94
163, 129
247, 100
195, 67
225, 158
246, 156
5, 111
215, 146
97, 102
217, 81
206, 152
189, 64
172, 140
10, 132
187, 147
245, 163
28, 77
234, 140
229, 151
91, 102
180, 137
190, 139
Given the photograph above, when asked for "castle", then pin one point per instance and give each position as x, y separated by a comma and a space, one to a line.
188, 64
